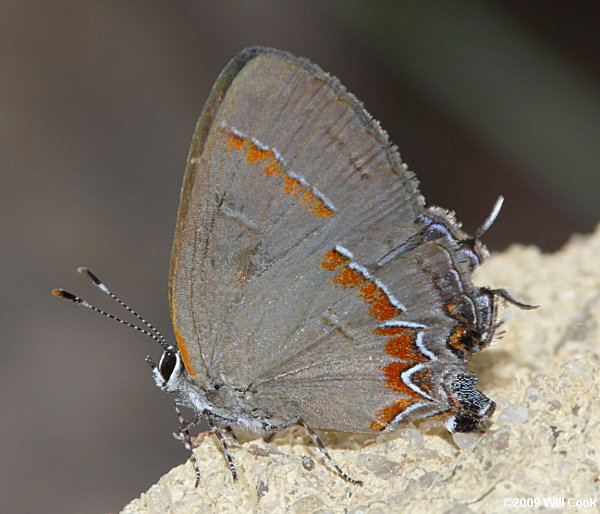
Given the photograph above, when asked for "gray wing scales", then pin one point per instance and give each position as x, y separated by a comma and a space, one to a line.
292, 197
348, 340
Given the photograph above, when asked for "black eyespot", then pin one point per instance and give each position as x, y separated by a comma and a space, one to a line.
466, 423
167, 364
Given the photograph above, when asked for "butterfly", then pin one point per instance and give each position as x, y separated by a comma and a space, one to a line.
309, 282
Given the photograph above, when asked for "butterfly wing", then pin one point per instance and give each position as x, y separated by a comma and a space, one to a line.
302, 260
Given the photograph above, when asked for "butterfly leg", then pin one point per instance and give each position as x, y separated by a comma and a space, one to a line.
222, 440
184, 435
232, 433
319, 444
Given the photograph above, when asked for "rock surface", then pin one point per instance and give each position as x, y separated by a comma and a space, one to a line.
543, 440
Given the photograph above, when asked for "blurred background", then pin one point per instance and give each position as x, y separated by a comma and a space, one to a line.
98, 106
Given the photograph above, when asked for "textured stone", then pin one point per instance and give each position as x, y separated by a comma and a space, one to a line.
542, 441
514, 414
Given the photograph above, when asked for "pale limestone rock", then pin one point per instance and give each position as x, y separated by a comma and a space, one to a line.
543, 440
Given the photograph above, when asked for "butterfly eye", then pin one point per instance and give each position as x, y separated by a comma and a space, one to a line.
167, 364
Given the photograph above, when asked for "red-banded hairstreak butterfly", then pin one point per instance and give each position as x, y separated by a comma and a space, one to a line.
309, 283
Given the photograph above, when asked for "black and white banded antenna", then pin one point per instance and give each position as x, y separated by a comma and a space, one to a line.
150, 330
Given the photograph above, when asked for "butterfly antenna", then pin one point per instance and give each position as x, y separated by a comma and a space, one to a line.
102, 286
490, 219
152, 332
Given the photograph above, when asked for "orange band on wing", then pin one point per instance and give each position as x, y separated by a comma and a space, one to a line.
393, 373
350, 276
387, 414
315, 205
294, 186
273, 168
236, 142
402, 344
379, 303
333, 259
256, 154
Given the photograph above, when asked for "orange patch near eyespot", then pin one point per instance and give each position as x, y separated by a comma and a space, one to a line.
422, 379
450, 308
402, 344
183, 351
236, 142
377, 425
348, 278
333, 259
388, 414
458, 338
394, 380
380, 306
256, 154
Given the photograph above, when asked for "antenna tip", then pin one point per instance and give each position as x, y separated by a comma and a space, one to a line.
92, 277
65, 294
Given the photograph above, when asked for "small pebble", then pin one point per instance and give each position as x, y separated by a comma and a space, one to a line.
413, 436
514, 414
465, 440
308, 463
379, 466
579, 370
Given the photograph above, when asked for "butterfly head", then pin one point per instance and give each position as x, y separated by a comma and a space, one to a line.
169, 372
